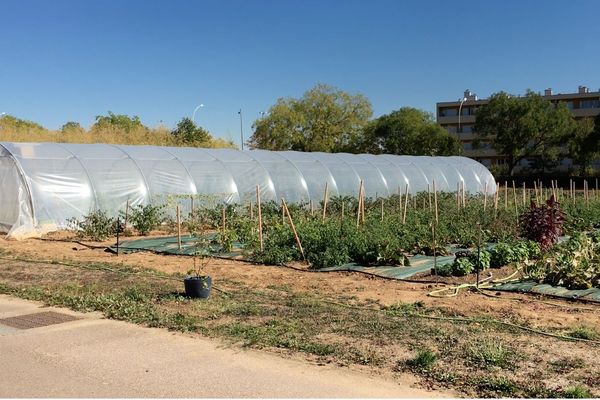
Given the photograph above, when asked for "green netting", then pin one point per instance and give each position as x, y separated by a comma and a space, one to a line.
418, 264
592, 294
189, 246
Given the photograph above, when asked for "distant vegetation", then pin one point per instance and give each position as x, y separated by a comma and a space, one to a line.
110, 128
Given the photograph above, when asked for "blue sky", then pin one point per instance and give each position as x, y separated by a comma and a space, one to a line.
70, 60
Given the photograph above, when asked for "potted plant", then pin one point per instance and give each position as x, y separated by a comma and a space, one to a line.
196, 284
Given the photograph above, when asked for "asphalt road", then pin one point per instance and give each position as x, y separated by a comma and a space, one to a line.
95, 357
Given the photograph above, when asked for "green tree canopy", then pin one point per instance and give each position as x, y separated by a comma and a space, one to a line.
525, 127
118, 121
584, 143
408, 131
189, 133
324, 119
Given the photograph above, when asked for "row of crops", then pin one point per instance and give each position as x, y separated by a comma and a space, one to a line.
514, 227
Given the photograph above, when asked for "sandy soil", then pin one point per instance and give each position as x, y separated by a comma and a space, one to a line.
526, 308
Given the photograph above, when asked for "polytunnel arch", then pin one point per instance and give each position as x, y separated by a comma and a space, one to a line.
45, 184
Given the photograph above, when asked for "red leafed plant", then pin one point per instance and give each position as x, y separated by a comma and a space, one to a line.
543, 224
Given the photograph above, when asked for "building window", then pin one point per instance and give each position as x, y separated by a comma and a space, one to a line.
570, 105
592, 103
466, 128
467, 146
449, 112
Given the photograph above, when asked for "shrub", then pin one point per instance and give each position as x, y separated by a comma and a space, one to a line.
95, 226
444, 269
542, 224
577, 392
145, 218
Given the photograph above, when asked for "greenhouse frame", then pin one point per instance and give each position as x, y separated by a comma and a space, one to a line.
45, 184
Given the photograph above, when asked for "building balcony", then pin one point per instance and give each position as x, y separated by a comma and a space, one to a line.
464, 119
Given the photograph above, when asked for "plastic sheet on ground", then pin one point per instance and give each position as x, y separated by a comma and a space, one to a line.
168, 245
592, 294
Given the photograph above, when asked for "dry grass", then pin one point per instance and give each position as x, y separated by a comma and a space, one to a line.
32, 132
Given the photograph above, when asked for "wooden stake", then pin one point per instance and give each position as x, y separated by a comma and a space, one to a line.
405, 205
126, 214
515, 200
360, 189
343, 204
505, 195
192, 205
223, 219
436, 202
312, 208
259, 207
429, 194
362, 211
381, 209
282, 212
325, 198
464, 196
178, 227
496, 196
251, 212
537, 200
458, 195
524, 195
484, 196
293, 228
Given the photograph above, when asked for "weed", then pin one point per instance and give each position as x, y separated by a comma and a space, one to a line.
496, 386
576, 392
583, 332
490, 353
566, 364
423, 360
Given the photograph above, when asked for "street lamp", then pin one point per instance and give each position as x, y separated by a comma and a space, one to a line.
241, 129
196, 109
459, 113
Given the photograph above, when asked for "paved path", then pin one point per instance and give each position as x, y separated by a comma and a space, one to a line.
95, 357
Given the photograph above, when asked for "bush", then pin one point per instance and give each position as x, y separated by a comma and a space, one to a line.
145, 218
444, 269
480, 260
95, 226
543, 224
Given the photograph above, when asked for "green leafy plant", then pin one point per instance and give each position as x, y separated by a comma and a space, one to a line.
146, 218
423, 360
96, 225
462, 266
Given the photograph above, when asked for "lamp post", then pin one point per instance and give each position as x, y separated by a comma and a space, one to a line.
194, 113
459, 113
241, 129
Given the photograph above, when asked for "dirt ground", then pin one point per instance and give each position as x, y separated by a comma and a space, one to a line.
527, 309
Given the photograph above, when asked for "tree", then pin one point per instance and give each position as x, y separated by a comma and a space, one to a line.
324, 119
525, 127
118, 121
584, 143
187, 132
408, 131
71, 126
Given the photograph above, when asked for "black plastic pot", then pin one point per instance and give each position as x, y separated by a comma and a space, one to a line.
197, 286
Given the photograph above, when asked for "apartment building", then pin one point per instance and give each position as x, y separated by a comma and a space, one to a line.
458, 118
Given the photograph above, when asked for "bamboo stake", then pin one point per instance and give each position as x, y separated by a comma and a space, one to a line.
382, 210
505, 195
343, 204
293, 228
405, 205
282, 212
126, 214
435, 200
251, 212
524, 195
178, 227
362, 218
260, 230
360, 188
464, 196
429, 194
496, 196
223, 218
325, 199
312, 208
515, 200
192, 205
485, 196
458, 195
536, 193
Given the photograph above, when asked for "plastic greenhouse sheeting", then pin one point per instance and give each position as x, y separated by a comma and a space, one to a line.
44, 184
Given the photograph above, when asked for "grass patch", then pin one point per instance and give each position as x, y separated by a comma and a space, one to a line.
584, 332
491, 352
576, 392
566, 364
422, 361
496, 386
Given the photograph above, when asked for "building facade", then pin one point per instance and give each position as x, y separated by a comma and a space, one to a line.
458, 118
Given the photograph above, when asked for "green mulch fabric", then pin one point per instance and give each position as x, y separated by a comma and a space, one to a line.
592, 294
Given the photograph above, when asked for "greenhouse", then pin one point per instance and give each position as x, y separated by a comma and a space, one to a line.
45, 184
